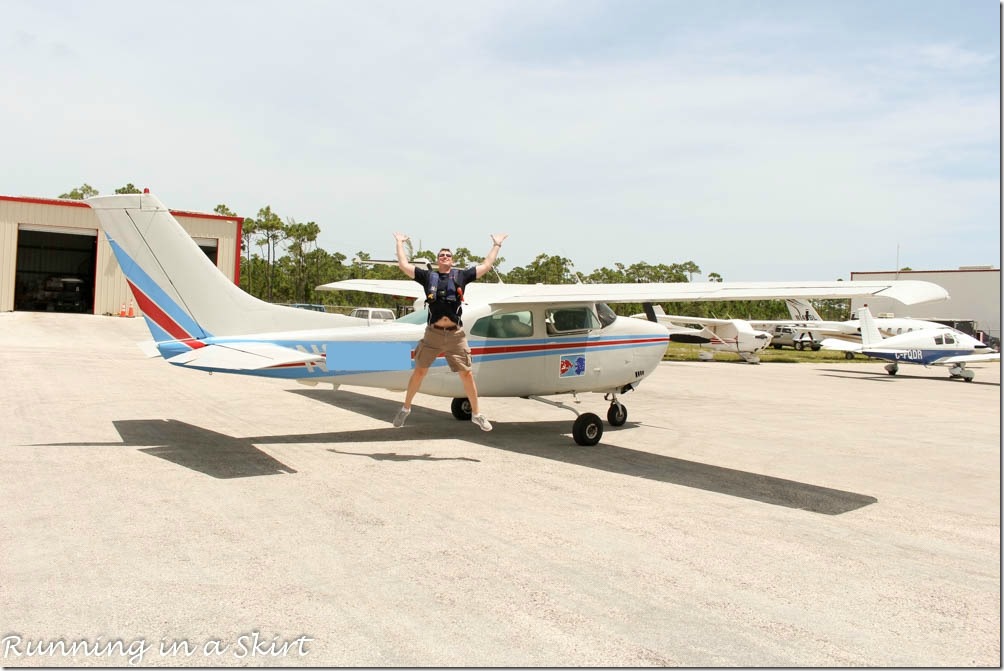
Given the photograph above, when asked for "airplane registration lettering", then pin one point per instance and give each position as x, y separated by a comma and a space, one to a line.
314, 366
910, 355
572, 366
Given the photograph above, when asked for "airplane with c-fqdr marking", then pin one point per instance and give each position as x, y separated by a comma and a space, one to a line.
529, 341
933, 346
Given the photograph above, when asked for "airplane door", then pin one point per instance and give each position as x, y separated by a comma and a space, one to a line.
573, 333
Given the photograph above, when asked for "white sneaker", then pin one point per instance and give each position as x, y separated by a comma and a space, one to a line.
401, 415
482, 422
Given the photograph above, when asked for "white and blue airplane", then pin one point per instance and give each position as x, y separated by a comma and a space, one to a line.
804, 318
936, 345
736, 336
528, 341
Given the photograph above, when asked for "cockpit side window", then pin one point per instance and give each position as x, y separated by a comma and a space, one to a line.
518, 324
562, 321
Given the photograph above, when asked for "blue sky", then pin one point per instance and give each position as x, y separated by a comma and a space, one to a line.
761, 140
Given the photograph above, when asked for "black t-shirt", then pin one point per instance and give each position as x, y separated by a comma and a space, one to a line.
441, 307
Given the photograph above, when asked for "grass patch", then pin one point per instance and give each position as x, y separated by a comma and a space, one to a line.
686, 352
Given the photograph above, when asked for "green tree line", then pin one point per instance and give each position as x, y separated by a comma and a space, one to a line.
281, 262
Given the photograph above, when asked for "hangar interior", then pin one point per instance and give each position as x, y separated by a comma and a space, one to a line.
54, 259
54, 271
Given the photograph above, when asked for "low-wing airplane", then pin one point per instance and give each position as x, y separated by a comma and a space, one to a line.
935, 346
718, 335
805, 317
527, 341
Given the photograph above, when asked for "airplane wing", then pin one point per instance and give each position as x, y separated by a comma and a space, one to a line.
905, 291
408, 288
251, 355
682, 320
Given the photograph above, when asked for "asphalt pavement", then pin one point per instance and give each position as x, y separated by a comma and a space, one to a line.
771, 515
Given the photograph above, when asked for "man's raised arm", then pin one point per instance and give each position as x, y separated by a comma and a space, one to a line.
489, 261
403, 263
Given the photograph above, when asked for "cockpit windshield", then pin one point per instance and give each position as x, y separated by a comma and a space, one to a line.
606, 314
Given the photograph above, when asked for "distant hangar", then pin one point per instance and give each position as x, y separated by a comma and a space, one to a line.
54, 257
975, 303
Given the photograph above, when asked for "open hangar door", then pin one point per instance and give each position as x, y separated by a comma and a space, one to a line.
55, 269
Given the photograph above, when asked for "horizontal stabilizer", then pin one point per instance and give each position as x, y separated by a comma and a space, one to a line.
242, 356
369, 356
149, 348
840, 345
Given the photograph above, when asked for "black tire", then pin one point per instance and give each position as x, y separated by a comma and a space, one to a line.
461, 409
848, 355
776, 346
816, 348
799, 346
587, 429
617, 414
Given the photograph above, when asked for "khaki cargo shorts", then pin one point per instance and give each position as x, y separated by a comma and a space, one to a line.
451, 344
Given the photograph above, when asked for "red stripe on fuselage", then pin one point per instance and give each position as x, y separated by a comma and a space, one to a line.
558, 346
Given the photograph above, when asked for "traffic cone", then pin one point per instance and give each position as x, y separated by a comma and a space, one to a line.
122, 310
131, 313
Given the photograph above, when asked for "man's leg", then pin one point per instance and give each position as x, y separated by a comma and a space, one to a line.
414, 384
424, 356
471, 389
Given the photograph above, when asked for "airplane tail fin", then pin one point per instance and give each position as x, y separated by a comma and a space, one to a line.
653, 311
181, 293
870, 336
801, 310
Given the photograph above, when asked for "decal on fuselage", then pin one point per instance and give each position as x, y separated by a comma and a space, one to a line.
572, 366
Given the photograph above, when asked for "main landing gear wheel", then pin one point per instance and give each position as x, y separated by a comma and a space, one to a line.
892, 368
461, 409
588, 429
617, 414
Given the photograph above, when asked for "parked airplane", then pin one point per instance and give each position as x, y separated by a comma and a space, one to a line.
809, 326
717, 335
938, 346
527, 341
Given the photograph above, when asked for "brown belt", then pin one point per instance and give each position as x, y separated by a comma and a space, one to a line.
443, 328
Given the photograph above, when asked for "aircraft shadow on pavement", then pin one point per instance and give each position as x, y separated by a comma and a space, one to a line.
883, 376
533, 439
221, 456
215, 454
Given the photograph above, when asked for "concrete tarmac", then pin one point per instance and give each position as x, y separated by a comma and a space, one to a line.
772, 515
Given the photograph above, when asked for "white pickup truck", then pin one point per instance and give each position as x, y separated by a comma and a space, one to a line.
373, 314
793, 336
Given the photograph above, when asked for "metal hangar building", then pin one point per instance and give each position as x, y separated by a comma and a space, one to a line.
55, 258
974, 302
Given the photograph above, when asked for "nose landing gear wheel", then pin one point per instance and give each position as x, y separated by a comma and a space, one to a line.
461, 409
617, 414
587, 429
